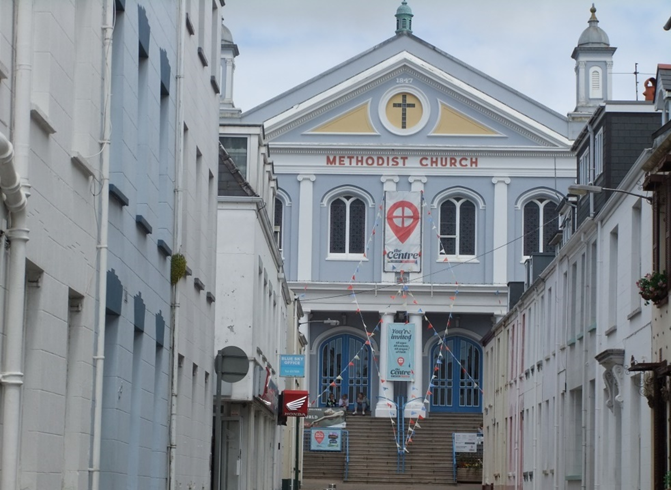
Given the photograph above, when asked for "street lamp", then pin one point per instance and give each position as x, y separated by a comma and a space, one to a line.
584, 189
328, 321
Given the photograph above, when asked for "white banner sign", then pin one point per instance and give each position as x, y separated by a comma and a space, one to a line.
403, 232
465, 442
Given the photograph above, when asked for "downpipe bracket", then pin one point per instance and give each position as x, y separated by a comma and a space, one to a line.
11, 378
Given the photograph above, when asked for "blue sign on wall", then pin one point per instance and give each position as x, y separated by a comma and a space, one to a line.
401, 351
292, 366
325, 439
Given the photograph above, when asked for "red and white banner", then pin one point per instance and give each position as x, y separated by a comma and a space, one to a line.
403, 232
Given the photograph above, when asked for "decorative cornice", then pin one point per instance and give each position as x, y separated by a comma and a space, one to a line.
431, 82
428, 152
272, 134
479, 107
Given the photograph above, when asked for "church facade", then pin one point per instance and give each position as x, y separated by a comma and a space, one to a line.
412, 189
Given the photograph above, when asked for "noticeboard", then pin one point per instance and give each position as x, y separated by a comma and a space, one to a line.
465, 442
326, 439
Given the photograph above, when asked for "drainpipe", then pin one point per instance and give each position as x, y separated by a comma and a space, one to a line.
177, 243
12, 167
598, 417
99, 357
591, 169
12, 376
585, 390
557, 404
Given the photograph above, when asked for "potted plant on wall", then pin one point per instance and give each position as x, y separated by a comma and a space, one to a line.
469, 468
653, 287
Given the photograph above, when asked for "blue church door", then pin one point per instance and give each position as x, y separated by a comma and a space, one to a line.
346, 356
457, 386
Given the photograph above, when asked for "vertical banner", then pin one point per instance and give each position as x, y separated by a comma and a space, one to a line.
401, 351
402, 232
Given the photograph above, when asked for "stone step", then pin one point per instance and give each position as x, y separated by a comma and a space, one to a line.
373, 455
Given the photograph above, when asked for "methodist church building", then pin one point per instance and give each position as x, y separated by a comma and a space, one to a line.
412, 189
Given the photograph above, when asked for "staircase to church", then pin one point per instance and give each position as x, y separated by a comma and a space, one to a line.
373, 456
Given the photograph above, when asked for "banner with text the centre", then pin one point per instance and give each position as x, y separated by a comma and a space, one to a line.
402, 231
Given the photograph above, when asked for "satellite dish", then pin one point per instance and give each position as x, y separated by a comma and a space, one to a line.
231, 364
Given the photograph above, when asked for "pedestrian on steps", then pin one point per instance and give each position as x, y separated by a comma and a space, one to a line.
361, 403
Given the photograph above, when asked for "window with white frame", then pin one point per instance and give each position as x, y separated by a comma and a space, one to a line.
277, 225
347, 226
540, 225
598, 154
457, 227
584, 170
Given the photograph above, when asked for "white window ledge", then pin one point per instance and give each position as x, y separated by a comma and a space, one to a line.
347, 257
471, 259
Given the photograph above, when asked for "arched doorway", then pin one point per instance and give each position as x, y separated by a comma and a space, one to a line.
346, 356
457, 385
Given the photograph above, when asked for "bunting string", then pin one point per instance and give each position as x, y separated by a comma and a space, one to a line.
404, 297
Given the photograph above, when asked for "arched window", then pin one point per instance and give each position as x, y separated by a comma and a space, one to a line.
540, 225
457, 227
279, 217
595, 88
347, 225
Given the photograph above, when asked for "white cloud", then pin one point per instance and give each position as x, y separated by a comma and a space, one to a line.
526, 44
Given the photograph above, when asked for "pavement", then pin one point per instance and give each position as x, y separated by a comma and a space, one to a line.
324, 484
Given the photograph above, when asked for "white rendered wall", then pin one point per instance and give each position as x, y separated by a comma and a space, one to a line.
60, 303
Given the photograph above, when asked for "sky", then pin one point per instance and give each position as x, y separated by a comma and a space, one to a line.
526, 44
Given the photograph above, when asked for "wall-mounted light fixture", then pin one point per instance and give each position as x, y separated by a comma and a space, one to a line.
583, 189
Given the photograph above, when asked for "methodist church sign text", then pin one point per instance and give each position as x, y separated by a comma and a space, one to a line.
399, 161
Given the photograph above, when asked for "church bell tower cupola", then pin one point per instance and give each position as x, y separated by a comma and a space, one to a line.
404, 19
229, 50
594, 67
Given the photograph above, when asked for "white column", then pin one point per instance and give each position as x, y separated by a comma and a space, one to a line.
417, 185
385, 389
415, 387
305, 222
228, 89
609, 79
500, 254
304, 328
582, 95
250, 469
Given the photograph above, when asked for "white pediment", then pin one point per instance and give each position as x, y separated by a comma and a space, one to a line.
486, 111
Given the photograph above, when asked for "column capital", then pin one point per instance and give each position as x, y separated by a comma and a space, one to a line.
498, 180
417, 178
309, 177
389, 178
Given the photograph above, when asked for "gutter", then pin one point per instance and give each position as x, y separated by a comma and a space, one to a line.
11, 377
99, 357
177, 244
16, 193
